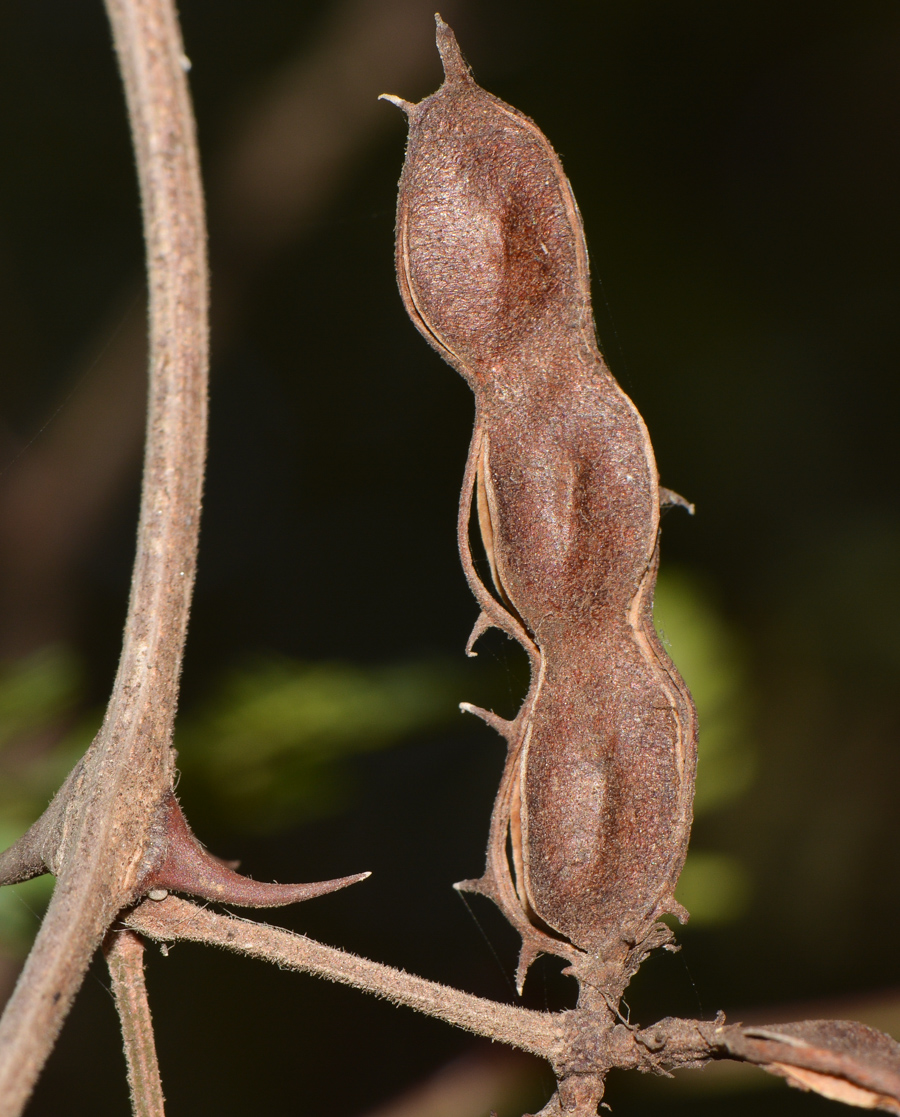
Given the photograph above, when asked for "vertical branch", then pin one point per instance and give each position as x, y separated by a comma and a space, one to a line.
97, 834
125, 959
153, 65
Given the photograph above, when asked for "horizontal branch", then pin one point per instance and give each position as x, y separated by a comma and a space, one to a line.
170, 919
842, 1060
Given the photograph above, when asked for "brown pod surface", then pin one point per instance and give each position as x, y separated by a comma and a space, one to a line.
595, 802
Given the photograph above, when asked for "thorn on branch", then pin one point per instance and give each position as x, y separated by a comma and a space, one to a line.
187, 866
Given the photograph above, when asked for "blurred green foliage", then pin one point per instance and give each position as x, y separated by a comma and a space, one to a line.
266, 747
39, 694
39, 697
708, 654
714, 886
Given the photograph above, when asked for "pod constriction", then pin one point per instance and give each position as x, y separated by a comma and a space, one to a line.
592, 819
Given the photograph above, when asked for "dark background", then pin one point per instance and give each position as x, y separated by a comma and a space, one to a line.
737, 167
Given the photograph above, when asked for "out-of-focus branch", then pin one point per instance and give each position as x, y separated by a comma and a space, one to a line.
97, 833
56, 493
313, 120
481, 1081
302, 134
291, 145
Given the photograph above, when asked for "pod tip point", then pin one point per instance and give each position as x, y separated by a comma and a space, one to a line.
455, 67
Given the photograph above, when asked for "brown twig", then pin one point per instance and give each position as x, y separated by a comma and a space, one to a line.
286, 150
173, 918
125, 958
840, 1059
108, 835
96, 833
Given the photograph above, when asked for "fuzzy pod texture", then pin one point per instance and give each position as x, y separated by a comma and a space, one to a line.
592, 819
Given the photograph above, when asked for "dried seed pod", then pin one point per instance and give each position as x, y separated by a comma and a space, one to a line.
595, 802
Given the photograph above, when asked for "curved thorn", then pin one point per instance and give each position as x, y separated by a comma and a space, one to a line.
668, 498
480, 627
37, 851
187, 866
20, 862
528, 953
503, 726
404, 106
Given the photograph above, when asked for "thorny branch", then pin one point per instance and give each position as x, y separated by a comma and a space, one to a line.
115, 832
97, 832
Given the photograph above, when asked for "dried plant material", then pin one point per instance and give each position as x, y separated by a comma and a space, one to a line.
185, 865
840, 1059
595, 802
851, 1061
174, 919
110, 824
124, 952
